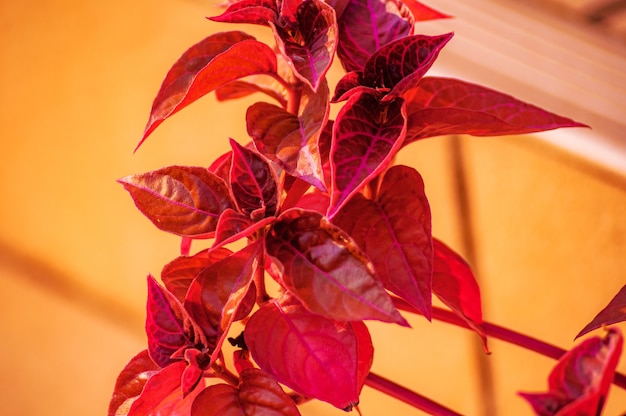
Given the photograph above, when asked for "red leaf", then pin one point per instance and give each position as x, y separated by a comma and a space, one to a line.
211, 63
367, 135
323, 267
253, 183
311, 42
317, 357
421, 12
234, 226
394, 230
182, 200
613, 313
131, 382
259, 12
441, 106
289, 140
580, 382
254, 83
365, 26
455, 285
178, 274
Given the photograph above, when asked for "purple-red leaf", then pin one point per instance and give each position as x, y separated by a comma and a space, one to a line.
580, 382
367, 135
394, 230
259, 12
455, 285
313, 355
292, 140
253, 183
323, 267
365, 26
131, 382
441, 106
211, 63
310, 42
613, 313
182, 200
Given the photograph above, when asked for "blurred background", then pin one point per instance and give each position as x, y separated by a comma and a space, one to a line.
541, 218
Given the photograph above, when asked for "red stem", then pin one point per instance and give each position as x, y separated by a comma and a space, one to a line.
407, 396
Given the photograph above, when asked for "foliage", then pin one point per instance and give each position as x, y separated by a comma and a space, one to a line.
323, 211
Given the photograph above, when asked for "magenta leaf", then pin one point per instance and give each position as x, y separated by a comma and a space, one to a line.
421, 12
394, 230
178, 274
291, 140
168, 326
182, 200
131, 382
613, 313
253, 183
455, 285
211, 63
259, 12
257, 395
310, 42
313, 355
580, 382
323, 267
365, 26
441, 106
367, 135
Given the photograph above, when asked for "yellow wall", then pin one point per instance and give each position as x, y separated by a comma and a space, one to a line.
76, 82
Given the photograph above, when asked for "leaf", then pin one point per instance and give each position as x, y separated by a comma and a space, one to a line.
252, 84
209, 64
421, 12
442, 106
365, 26
580, 382
367, 135
234, 226
131, 382
455, 285
311, 42
253, 183
292, 141
399, 65
612, 313
186, 201
178, 274
315, 356
323, 267
394, 230
259, 12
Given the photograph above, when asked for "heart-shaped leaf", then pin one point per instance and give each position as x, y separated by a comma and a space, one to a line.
323, 267
131, 382
317, 357
442, 106
613, 313
182, 200
259, 12
394, 230
253, 183
580, 382
365, 26
209, 64
367, 135
455, 285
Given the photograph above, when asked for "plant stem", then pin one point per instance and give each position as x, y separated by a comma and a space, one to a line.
410, 397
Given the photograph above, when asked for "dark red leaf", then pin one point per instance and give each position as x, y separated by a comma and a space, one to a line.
399, 65
254, 83
182, 200
323, 267
455, 285
441, 106
394, 230
613, 313
259, 12
210, 64
234, 226
580, 382
197, 363
365, 26
291, 140
367, 135
131, 382
421, 12
178, 274
317, 357
253, 183
314, 201
309, 44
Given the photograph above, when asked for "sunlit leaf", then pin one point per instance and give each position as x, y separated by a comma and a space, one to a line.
612, 313
131, 382
259, 12
250, 85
